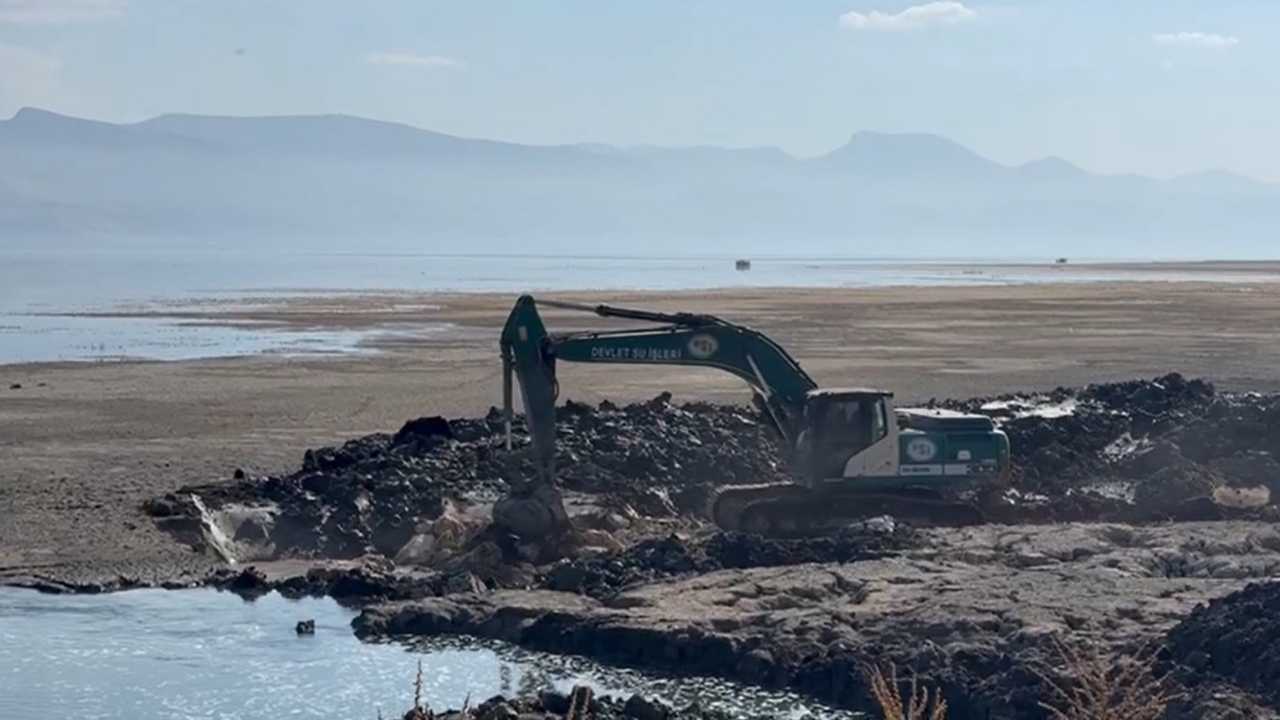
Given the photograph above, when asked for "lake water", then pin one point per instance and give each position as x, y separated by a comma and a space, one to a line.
40, 292
160, 655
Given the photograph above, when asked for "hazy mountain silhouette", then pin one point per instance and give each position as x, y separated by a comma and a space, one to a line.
344, 183
345, 136
1051, 168
907, 155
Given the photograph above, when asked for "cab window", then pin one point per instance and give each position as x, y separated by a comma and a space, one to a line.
857, 423
880, 423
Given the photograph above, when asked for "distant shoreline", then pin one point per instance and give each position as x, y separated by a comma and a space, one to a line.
283, 319
322, 323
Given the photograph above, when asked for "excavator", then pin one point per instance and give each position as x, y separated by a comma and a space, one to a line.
849, 452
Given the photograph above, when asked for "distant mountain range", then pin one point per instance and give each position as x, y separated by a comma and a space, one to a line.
339, 183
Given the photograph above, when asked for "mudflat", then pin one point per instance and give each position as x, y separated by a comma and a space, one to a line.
82, 445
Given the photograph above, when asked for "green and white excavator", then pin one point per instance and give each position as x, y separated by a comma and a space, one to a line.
850, 452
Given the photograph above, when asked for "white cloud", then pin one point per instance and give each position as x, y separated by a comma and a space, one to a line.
1196, 39
58, 11
412, 59
945, 12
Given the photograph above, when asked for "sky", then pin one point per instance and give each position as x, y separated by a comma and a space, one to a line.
1158, 87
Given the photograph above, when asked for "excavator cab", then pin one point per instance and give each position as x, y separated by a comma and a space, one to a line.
842, 425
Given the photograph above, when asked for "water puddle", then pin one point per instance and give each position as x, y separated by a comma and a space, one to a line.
155, 654
43, 338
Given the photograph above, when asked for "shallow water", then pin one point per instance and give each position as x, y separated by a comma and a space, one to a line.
157, 655
67, 282
38, 289
43, 338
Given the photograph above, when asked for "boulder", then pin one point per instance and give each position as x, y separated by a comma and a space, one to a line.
496, 709
424, 428
554, 702
435, 540
639, 707
250, 582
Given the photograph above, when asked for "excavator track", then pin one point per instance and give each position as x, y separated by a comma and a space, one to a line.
729, 503
791, 510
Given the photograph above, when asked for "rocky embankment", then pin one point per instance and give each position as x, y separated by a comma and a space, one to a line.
1080, 552
972, 610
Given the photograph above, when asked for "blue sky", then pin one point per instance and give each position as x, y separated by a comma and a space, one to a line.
1158, 87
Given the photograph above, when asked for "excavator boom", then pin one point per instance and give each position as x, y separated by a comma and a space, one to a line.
531, 352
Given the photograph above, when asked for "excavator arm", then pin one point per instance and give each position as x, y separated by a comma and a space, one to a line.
531, 352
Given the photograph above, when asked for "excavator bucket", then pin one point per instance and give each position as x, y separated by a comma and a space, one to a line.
525, 351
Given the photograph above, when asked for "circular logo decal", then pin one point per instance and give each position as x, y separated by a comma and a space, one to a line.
921, 449
703, 346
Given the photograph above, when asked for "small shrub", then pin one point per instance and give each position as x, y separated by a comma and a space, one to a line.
922, 703
1106, 686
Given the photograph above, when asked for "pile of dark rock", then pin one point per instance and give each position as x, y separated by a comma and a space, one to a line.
1165, 442
678, 451
1236, 639
1159, 448
371, 493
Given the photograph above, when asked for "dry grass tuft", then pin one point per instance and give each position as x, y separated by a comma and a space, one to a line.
922, 703
419, 712
1107, 686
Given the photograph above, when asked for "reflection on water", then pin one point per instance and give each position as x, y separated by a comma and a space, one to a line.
43, 338
155, 654
33, 285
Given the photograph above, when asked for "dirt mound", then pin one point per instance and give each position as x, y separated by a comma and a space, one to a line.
376, 493
1152, 445
1235, 638
659, 445
1133, 451
1071, 436
605, 575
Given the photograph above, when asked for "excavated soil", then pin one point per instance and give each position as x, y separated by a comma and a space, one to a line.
1140, 451
1234, 639
373, 494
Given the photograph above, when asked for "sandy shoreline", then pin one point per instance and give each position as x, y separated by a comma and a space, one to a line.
85, 443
